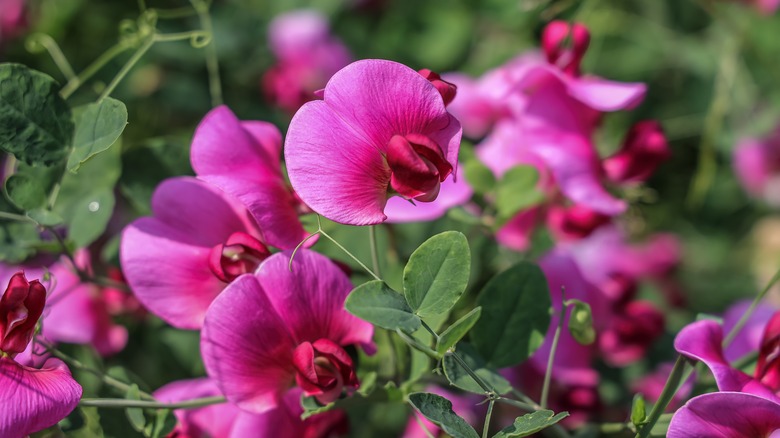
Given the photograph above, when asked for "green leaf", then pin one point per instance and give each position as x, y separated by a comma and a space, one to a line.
163, 424
517, 191
480, 178
438, 410
437, 274
376, 303
638, 410
25, 191
35, 122
457, 330
516, 314
581, 322
531, 423
135, 415
98, 126
86, 200
45, 217
460, 378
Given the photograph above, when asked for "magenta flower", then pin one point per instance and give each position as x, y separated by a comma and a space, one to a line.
702, 341
644, 148
278, 327
30, 399
180, 259
228, 421
757, 165
12, 19
454, 192
307, 56
243, 158
726, 415
381, 130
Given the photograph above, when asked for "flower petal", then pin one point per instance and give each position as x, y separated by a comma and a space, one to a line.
603, 95
32, 400
453, 192
215, 420
726, 415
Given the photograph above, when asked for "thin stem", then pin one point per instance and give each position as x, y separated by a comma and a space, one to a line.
418, 346
429, 330
486, 427
374, 249
75, 363
180, 36
297, 247
670, 388
551, 358
742, 321
127, 67
346, 251
482, 384
120, 403
93, 68
212, 59
47, 43
17, 217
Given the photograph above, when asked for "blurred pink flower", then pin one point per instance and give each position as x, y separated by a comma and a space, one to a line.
199, 240
279, 326
381, 130
31, 399
757, 165
307, 56
226, 420
644, 148
12, 19
652, 384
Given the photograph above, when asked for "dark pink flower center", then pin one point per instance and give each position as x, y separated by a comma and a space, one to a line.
565, 45
241, 253
575, 222
644, 148
446, 89
768, 366
20, 308
417, 166
324, 369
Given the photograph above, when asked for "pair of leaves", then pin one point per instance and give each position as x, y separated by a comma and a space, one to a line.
438, 410
434, 279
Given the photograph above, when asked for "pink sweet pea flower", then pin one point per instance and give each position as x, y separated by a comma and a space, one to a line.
274, 328
757, 165
12, 19
381, 130
226, 420
702, 341
644, 148
180, 259
726, 415
243, 158
30, 399
307, 56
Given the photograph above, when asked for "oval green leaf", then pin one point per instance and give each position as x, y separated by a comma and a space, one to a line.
457, 330
437, 274
459, 377
98, 126
531, 423
438, 410
376, 303
516, 307
25, 192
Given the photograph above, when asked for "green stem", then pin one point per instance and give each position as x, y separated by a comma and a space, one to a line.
93, 68
418, 346
486, 427
551, 358
352, 256
147, 44
120, 403
17, 217
182, 12
48, 44
374, 250
482, 384
670, 388
517, 404
742, 321
180, 36
212, 59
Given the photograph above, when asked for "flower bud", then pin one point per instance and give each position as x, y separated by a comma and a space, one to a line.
446, 89
565, 45
20, 308
644, 148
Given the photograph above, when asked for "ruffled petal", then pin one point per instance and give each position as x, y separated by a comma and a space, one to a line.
32, 400
170, 277
310, 298
246, 346
726, 415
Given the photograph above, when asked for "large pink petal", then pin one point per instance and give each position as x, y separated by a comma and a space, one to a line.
603, 95
452, 193
310, 298
169, 276
215, 420
726, 415
336, 170
32, 400
246, 346
702, 341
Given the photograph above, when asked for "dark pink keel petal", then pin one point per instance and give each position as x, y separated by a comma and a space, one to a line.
214, 421
452, 193
702, 341
171, 278
310, 298
32, 400
247, 347
726, 415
